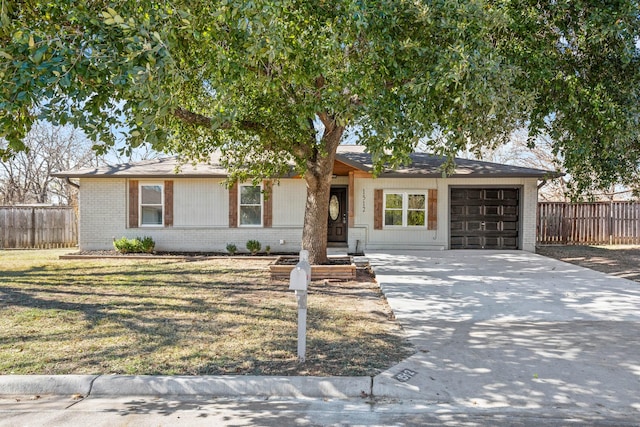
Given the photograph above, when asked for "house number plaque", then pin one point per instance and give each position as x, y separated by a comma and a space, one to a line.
405, 375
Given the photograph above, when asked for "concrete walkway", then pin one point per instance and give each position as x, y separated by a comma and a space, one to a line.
513, 330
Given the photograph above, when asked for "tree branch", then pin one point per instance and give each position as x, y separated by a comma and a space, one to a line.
191, 117
200, 120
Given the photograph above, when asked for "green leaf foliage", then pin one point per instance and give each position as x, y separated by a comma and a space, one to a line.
136, 245
271, 82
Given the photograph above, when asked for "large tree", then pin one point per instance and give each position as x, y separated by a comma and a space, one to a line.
277, 83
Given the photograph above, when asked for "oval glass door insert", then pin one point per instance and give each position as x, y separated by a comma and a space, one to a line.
334, 208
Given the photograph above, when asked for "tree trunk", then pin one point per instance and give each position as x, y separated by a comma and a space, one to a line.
318, 179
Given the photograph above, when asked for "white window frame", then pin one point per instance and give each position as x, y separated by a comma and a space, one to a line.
240, 205
405, 207
141, 205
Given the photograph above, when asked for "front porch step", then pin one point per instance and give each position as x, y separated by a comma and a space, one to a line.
337, 251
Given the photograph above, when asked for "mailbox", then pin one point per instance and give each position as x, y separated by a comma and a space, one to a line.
300, 276
298, 279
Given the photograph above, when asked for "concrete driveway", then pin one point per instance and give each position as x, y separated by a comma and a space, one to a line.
511, 329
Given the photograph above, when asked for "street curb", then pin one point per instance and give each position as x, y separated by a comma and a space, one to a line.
216, 386
233, 386
46, 384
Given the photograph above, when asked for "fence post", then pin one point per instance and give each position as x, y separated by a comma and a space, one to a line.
32, 240
610, 225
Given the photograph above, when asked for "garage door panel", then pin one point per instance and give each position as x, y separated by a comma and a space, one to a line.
510, 210
511, 194
510, 226
466, 194
457, 226
484, 218
509, 242
491, 241
493, 210
492, 195
474, 210
492, 226
474, 226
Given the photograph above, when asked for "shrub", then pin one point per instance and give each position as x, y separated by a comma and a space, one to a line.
136, 245
267, 249
253, 246
147, 244
231, 248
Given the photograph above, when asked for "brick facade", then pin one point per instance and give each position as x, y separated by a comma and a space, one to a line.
105, 214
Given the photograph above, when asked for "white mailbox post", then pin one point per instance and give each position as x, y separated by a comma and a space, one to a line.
299, 280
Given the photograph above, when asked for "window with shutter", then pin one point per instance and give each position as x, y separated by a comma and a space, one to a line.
405, 209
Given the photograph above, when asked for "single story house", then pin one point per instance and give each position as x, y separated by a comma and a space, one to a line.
481, 205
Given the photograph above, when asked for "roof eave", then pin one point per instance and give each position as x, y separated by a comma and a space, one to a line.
393, 174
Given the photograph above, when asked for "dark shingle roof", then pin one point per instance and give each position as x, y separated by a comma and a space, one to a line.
423, 165
167, 167
427, 165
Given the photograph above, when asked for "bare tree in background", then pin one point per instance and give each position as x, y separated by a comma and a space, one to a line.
541, 156
518, 153
27, 179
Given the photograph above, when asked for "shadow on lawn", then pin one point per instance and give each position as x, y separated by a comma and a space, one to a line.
191, 319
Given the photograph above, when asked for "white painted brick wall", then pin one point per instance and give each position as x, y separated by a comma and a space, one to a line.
103, 217
103, 212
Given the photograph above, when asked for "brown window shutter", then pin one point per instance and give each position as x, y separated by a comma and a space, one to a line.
377, 209
233, 206
168, 203
267, 208
133, 203
432, 210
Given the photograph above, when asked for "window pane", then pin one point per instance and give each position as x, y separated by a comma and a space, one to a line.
151, 194
393, 201
334, 208
152, 215
392, 217
249, 195
416, 201
250, 215
415, 218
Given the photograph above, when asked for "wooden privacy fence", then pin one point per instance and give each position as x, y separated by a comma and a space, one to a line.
599, 223
24, 227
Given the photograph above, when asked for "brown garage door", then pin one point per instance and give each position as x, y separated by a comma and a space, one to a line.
484, 218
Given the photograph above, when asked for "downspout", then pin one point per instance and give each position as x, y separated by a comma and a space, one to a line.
538, 219
71, 183
542, 184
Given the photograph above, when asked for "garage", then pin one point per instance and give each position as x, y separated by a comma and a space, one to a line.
484, 218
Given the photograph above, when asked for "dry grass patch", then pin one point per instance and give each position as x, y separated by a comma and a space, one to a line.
617, 260
175, 317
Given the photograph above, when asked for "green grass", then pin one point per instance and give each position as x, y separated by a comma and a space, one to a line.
175, 317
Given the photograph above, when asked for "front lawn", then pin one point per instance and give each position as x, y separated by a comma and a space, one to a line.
156, 317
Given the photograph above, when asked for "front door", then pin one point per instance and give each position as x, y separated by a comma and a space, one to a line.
337, 228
